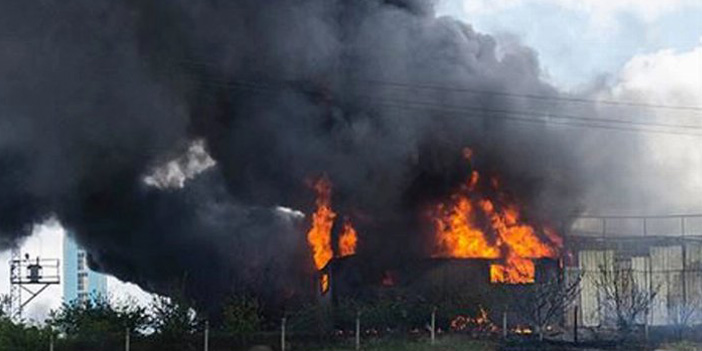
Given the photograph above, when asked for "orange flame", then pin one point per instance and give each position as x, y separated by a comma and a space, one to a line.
319, 236
480, 323
517, 270
347, 240
514, 242
324, 283
522, 330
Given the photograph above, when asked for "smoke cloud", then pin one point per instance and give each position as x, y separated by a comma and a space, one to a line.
101, 101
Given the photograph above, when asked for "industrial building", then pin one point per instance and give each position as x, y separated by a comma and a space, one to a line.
658, 259
79, 282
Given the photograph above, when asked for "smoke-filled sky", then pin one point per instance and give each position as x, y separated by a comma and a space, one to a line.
638, 50
106, 107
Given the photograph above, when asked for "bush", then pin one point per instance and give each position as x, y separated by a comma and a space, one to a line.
21, 337
97, 318
241, 316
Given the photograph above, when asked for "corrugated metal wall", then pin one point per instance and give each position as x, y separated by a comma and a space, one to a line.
666, 283
641, 267
693, 282
591, 265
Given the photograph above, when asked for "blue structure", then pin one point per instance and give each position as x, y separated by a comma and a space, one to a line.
79, 282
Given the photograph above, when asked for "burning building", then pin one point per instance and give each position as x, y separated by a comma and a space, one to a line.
478, 244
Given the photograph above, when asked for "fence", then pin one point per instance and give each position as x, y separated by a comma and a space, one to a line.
288, 337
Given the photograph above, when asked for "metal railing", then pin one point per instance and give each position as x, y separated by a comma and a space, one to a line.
686, 225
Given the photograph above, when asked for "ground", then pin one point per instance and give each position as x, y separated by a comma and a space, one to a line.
681, 346
451, 343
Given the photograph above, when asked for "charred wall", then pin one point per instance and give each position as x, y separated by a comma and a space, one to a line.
434, 281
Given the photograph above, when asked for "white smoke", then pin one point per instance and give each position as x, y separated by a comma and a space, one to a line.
173, 174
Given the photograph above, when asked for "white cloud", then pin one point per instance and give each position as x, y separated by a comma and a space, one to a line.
669, 77
664, 77
127, 292
601, 10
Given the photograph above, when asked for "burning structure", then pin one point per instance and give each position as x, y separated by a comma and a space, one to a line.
479, 244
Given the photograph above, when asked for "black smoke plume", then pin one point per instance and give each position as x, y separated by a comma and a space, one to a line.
97, 96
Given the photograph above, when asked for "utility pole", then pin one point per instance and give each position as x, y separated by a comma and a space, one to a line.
126, 339
207, 336
358, 330
433, 326
282, 334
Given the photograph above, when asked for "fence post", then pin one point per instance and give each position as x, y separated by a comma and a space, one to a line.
575, 324
207, 336
126, 339
282, 334
358, 330
433, 326
504, 324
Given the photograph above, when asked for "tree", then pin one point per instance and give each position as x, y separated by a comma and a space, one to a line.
545, 301
19, 336
685, 311
98, 318
5, 305
172, 319
241, 315
623, 300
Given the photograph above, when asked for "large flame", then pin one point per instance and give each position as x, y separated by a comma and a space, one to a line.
501, 235
347, 240
319, 236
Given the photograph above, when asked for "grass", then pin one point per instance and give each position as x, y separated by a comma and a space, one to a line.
681, 346
448, 343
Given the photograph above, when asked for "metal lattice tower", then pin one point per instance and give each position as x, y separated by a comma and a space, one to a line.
15, 289
33, 276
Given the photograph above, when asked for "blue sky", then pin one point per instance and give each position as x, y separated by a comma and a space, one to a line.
579, 41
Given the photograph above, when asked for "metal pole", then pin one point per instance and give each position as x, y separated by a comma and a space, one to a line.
575, 324
433, 326
51, 341
126, 340
682, 226
282, 334
504, 324
684, 273
207, 335
358, 330
684, 262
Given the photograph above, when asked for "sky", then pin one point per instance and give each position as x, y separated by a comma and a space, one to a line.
634, 50
647, 51
47, 242
579, 41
